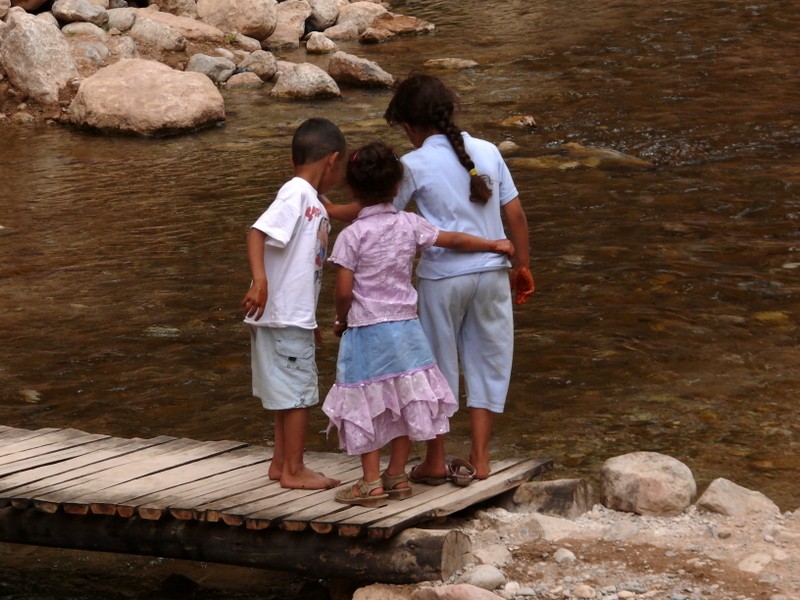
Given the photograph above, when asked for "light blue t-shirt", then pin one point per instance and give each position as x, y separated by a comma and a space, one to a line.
439, 185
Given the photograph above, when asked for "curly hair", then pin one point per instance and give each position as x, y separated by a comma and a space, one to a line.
373, 173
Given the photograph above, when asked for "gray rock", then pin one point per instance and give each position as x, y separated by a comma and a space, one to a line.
71, 11
262, 63
727, 498
568, 498
346, 68
217, 68
487, 577
319, 43
646, 483
36, 57
305, 81
121, 19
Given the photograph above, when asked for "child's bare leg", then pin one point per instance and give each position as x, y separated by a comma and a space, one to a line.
401, 447
433, 465
295, 474
481, 424
371, 465
278, 456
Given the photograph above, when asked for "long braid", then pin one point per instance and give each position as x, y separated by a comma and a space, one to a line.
423, 100
479, 190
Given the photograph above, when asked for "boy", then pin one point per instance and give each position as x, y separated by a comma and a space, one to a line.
286, 248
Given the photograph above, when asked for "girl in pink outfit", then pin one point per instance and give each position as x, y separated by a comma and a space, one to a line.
388, 387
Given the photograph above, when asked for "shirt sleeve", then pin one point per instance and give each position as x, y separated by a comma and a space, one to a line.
345, 250
426, 232
278, 222
507, 189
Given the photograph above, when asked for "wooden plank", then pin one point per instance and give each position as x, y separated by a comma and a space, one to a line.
14, 434
54, 463
126, 497
292, 502
41, 480
208, 490
250, 491
47, 454
21, 449
383, 526
78, 499
428, 502
48, 498
234, 510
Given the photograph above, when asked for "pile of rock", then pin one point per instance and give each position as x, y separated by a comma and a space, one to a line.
155, 70
644, 540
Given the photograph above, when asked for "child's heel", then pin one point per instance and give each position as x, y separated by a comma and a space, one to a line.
391, 481
363, 498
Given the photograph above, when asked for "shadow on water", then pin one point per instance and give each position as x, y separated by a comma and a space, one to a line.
666, 312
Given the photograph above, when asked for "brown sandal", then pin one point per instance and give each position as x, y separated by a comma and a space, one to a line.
390, 483
363, 498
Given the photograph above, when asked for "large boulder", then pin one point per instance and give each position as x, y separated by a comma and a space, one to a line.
36, 57
253, 18
157, 34
361, 14
646, 483
386, 26
145, 97
323, 14
184, 8
191, 29
291, 26
304, 81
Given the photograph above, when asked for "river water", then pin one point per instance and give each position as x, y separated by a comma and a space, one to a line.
665, 317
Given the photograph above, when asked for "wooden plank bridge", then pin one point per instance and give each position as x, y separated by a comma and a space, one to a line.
212, 501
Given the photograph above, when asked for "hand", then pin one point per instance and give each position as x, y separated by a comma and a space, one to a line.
522, 283
318, 337
339, 328
503, 247
255, 301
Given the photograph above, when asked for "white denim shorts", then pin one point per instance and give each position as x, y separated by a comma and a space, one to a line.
284, 367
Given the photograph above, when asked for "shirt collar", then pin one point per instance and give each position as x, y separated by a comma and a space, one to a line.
377, 209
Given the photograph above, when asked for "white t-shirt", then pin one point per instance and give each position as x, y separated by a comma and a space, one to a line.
296, 225
439, 184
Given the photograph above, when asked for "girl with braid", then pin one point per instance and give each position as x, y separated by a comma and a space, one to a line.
461, 183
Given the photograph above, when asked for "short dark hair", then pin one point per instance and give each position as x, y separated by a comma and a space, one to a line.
315, 139
373, 171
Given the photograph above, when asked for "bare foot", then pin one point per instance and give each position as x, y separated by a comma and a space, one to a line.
275, 471
482, 469
425, 473
308, 480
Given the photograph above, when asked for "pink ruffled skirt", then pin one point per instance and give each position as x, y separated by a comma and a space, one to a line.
387, 385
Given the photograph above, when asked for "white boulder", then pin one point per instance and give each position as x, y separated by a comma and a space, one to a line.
147, 98
36, 57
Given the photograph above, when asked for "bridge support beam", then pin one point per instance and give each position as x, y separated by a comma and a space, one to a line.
411, 556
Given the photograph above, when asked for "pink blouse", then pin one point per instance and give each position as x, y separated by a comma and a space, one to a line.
380, 247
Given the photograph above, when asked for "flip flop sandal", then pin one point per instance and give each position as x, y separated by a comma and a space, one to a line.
362, 498
415, 477
460, 472
390, 483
